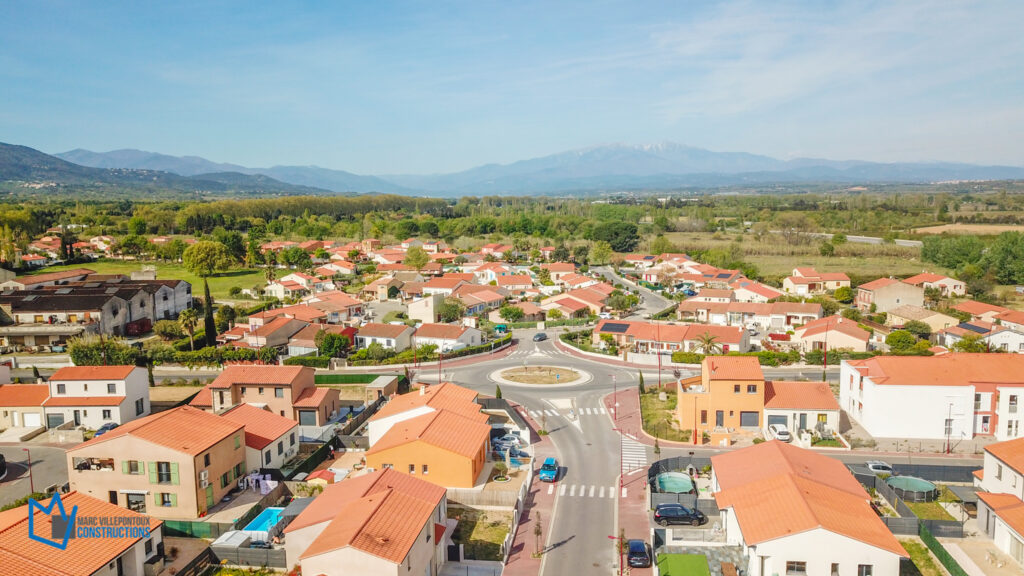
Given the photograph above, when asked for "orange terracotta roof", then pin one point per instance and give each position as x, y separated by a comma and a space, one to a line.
203, 398
1009, 452
442, 331
776, 490
954, 369
975, 308
1007, 507
299, 312
262, 427
732, 368
923, 277
559, 267
515, 280
784, 394
185, 429
17, 395
84, 401
311, 397
83, 556
444, 396
979, 473
1012, 316
834, 324
284, 375
443, 428
377, 330
92, 373
876, 284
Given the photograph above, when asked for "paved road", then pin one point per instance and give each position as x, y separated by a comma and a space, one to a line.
870, 240
49, 467
652, 302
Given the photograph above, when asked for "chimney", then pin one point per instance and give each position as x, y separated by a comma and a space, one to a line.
423, 390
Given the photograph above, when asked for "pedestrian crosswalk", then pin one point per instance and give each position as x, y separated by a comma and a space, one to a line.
634, 455
527, 352
585, 491
598, 411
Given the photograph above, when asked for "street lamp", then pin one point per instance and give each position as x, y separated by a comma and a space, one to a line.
31, 483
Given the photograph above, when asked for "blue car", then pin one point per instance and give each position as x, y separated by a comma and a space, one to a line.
549, 470
105, 428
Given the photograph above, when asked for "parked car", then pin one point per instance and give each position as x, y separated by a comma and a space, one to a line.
605, 315
779, 432
549, 470
509, 440
879, 467
666, 514
639, 554
105, 428
3, 467
540, 337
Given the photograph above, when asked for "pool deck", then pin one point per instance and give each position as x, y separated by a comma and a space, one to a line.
228, 512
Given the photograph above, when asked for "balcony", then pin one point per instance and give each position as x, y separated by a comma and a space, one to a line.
104, 464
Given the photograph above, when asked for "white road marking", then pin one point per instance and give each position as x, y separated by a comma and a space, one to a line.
601, 493
634, 455
572, 491
561, 491
592, 491
602, 410
551, 489
623, 492
611, 491
551, 413
534, 413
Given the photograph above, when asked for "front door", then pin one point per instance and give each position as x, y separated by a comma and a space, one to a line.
78, 418
209, 497
719, 418
112, 496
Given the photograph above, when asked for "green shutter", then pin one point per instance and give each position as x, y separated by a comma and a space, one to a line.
174, 499
242, 467
152, 472
124, 468
174, 473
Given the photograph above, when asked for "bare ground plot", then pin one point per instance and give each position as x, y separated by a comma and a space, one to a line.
348, 391
481, 532
540, 375
980, 229
172, 393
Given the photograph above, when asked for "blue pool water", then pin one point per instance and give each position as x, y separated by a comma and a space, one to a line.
265, 520
674, 482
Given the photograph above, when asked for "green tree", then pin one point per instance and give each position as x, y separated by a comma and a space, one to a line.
416, 258
838, 239
267, 355
555, 314
497, 391
331, 345
451, 309
900, 340
601, 253
620, 236
918, 328
851, 313
560, 254
662, 245
580, 254
205, 258
641, 384
708, 344
224, 318
137, 225
826, 249
95, 351
189, 320
970, 343
168, 329
511, 313
843, 294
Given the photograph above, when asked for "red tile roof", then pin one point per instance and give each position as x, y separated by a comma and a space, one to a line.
945, 370
298, 311
83, 556
515, 280
92, 373
440, 331
286, 375
84, 401
784, 394
311, 398
732, 368
876, 284
923, 277
1007, 507
444, 396
444, 429
834, 324
777, 490
17, 395
376, 330
975, 308
1009, 452
185, 429
262, 427
444, 283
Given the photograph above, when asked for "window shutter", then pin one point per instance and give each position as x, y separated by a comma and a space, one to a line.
152, 472
174, 499
124, 467
174, 473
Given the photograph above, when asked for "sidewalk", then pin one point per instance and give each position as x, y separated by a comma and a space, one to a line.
538, 503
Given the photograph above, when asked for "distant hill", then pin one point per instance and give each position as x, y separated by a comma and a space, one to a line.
24, 164
312, 176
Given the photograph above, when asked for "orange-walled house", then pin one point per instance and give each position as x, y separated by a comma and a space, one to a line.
728, 394
288, 391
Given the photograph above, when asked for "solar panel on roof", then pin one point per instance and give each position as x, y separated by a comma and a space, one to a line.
723, 275
63, 291
615, 328
973, 328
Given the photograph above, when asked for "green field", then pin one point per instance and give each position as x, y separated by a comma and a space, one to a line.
219, 284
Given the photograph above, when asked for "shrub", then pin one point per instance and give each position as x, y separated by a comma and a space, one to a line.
311, 361
168, 329
687, 357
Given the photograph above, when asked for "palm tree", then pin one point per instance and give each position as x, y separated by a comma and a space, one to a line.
188, 320
270, 274
708, 344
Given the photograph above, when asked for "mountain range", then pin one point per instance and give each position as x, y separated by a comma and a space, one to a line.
597, 169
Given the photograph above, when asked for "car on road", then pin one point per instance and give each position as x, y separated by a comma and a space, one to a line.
105, 428
3, 467
639, 554
879, 467
549, 470
540, 337
605, 315
666, 514
779, 432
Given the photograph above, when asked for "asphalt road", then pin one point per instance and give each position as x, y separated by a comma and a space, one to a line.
652, 303
49, 467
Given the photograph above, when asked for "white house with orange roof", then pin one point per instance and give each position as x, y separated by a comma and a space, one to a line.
337, 305
92, 396
1000, 486
395, 337
800, 406
132, 555
573, 281
809, 281
885, 294
832, 333
944, 284
490, 272
381, 524
515, 283
954, 396
447, 337
442, 285
798, 512
749, 291
661, 338
556, 270
995, 337
425, 400
980, 310
270, 439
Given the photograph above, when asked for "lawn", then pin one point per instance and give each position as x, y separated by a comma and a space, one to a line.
683, 565
929, 510
481, 532
921, 558
219, 284
660, 418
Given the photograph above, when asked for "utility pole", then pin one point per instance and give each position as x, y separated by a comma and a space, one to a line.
659, 355
31, 483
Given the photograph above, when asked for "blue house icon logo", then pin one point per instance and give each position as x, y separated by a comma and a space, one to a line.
62, 526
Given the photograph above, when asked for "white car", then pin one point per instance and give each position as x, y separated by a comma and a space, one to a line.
605, 315
779, 432
879, 467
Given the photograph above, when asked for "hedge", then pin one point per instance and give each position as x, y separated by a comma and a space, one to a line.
764, 357
311, 361
346, 378
687, 357
406, 356
183, 345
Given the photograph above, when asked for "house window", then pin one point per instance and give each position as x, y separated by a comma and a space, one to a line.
261, 390
111, 388
243, 390
279, 392
412, 468
865, 570
736, 388
106, 414
165, 499
206, 459
1013, 403
425, 469
949, 426
224, 480
239, 469
61, 389
140, 406
386, 466
237, 442
977, 402
134, 467
85, 387
703, 416
835, 569
148, 546
291, 439
163, 472
751, 388
266, 457
796, 568
280, 447
999, 471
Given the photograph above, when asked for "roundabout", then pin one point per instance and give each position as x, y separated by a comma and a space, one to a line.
541, 376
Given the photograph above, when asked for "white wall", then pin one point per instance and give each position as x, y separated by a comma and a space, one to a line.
256, 459
376, 428
820, 548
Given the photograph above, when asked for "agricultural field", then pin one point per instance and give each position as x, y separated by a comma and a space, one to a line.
977, 229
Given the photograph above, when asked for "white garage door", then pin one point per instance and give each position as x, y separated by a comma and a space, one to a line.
32, 419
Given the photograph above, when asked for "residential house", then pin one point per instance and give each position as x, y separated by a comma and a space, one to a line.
801, 406
381, 289
384, 523
174, 465
515, 283
34, 261
558, 270
497, 250
659, 338
728, 395
884, 294
478, 299
640, 261
980, 310
288, 391
443, 286
435, 246
303, 312
490, 272
447, 337
955, 396
574, 281
793, 511
713, 295
425, 400
831, 333
92, 396
531, 313
994, 337
900, 315
270, 439
750, 291
49, 279
285, 289
274, 334
593, 298
395, 337
303, 342
808, 281
770, 316
42, 318
131, 555
1000, 508
1013, 319
426, 309
339, 306
21, 405
944, 284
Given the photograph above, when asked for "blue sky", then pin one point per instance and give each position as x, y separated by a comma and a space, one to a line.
421, 87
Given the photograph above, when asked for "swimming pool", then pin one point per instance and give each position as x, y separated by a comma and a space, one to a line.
674, 483
267, 519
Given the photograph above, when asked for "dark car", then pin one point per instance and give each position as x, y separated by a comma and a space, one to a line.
540, 337
639, 554
3, 467
666, 514
105, 428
